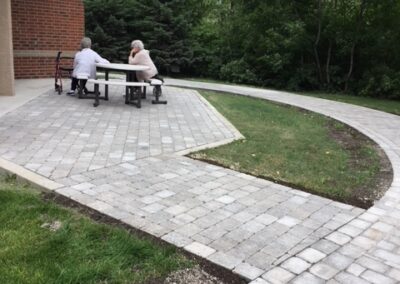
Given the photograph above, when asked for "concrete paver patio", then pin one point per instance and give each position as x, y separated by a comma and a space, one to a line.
127, 163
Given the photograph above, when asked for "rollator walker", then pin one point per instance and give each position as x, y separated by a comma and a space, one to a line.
61, 71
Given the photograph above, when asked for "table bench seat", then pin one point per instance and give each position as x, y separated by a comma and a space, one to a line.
129, 98
156, 83
119, 83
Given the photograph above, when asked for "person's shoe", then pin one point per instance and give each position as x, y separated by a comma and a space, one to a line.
71, 93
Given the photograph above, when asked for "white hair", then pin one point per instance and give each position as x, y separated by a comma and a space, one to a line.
137, 43
86, 43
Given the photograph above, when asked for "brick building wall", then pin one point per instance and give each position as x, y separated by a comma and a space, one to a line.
40, 29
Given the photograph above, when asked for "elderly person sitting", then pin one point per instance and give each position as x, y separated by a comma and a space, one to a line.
141, 56
85, 65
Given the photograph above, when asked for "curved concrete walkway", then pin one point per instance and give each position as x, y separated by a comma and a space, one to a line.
128, 164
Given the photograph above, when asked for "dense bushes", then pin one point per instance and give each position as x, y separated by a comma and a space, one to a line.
381, 82
335, 45
238, 71
164, 27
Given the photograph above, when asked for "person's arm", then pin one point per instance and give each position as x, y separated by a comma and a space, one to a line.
136, 59
100, 59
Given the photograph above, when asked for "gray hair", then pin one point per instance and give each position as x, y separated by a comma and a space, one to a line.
137, 43
86, 43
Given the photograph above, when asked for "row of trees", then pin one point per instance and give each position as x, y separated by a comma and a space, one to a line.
336, 45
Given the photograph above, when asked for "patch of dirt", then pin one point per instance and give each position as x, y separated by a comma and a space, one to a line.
53, 226
352, 141
191, 276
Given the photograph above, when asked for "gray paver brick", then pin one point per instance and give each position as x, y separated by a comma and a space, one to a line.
266, 219
153, 208
307, 278
386, 245
372, 264
347, 278
363, 242
275, 249
243, 216
248, 271
245, 249
259, 281
225, 260
394, 274
175, 210
189, 230
165, 194
374, 234
155, 229
261, 260
338, 260
238, 234
288, 221
135, 221
323, 271
295, 265
356, 269
83, 186
177, 239
253, 226
351, 251
184, 218
350, 230
201, 239
223, 244
388, 256
199, 249
338, 238
376, 278
214, 232
278, 275
311, 255
369, 217
360, 224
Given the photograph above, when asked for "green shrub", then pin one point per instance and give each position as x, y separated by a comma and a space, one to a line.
238, 71
381, 82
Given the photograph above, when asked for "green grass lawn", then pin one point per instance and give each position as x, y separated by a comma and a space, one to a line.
293, 147
80, 251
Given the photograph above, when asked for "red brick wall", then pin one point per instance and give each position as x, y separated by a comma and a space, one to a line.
40, 29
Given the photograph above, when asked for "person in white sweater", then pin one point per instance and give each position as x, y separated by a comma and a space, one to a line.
141, 56
85, 64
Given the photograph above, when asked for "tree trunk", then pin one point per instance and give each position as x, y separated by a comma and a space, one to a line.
353, 46
328, 62
317, 39
346, 85
329, 54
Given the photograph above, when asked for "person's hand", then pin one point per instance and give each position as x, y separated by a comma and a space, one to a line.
132, 52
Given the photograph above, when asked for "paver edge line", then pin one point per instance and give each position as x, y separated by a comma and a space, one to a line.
206, 146
28, 176
236, 132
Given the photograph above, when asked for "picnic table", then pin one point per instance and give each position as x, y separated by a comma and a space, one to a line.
129, 71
